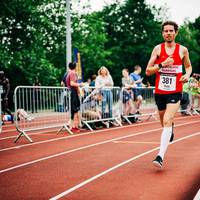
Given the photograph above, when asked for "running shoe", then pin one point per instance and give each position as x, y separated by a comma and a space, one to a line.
172, 136
158, 161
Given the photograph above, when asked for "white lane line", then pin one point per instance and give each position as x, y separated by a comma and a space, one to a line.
197, 196
139, 124
71, 136
82, 148
38, 133
135, 142
76, 187
74, 150
10, 137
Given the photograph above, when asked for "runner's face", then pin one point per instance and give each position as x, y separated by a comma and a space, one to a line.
169, 33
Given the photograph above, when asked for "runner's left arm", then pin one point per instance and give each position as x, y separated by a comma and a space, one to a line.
188, 66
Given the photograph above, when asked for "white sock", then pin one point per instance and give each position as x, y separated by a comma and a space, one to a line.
165, 137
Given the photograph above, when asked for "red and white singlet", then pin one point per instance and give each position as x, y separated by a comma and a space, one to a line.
168, 78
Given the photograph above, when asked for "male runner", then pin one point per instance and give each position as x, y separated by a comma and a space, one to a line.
166, 62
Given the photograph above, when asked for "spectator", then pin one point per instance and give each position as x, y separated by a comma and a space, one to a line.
93, 79
63, 81
104, 81
88, 81
148, 84
185, 101
137, 91
127, 93
86, 89
4, 82
73, 85
90, 106
195, 91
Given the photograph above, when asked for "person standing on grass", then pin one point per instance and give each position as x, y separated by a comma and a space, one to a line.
167, 60
73, 85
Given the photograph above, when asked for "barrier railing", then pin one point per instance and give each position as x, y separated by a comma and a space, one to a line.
1, 92
38, 107
196, 105
100, 105
190, 105
147, 108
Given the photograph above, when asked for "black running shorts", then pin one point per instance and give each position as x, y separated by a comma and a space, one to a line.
75, 103
163, 99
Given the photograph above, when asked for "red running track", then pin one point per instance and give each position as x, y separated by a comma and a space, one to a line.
110, 164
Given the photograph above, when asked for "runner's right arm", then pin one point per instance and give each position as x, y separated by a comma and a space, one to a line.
151, 68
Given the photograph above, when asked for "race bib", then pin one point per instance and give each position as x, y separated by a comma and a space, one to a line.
167, 82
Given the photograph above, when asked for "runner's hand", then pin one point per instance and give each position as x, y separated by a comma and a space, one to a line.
169, 61
184, 78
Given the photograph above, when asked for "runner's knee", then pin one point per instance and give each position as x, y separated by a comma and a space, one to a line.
167, 121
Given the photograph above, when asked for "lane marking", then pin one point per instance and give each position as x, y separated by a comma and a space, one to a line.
82, 148
74, 150
135, 142
72, 136
38, 133
130, 125
197, 196
76, 187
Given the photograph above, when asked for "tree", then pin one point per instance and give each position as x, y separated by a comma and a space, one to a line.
32, 40
188, 36
132, 32
89, 37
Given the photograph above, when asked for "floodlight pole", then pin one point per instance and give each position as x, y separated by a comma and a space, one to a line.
68, 35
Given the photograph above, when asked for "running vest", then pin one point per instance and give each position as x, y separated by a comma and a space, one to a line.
168, 78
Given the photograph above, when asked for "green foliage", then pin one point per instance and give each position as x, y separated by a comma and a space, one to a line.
188, 36
32, 39
89, 37
133, 31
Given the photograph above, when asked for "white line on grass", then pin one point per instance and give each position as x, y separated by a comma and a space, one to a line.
83, 147
72, 189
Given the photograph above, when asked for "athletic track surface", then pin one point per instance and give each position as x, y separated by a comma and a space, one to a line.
109, 164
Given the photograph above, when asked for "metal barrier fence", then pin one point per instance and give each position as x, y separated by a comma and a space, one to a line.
190, 104
147, 109
38, 107
196, 105
1, 92
100, 105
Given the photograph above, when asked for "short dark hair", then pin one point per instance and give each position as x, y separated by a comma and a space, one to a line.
72, 65
170, 23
